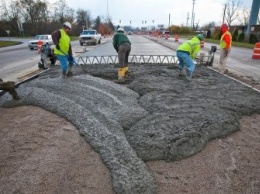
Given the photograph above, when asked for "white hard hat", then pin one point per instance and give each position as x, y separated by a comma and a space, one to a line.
121, 30
67, 24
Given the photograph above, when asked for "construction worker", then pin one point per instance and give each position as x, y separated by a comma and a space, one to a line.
187, 52
122, 46
62, 49
225, 47
46, 52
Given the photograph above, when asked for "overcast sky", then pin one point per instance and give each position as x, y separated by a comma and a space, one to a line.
137, 11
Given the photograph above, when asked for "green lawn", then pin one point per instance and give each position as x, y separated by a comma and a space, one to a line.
8, 43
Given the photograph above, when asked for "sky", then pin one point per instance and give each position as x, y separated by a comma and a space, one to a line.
173, 12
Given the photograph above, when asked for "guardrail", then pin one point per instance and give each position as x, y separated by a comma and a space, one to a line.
150, 59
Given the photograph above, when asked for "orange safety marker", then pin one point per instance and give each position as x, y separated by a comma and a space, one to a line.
176, 38
202, 44
39, 45
256, 51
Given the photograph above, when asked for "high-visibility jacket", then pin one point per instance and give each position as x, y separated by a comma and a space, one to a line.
64, 43
226, 40
192, 47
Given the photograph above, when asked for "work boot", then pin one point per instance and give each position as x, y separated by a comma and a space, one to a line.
121, 76
69, 72
188, 75
40, 65
126, 72
180, 72
63, 75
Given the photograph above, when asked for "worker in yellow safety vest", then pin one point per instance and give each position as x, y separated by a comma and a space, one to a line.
187, 52
63, 50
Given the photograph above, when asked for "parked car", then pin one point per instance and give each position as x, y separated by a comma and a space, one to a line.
44, 38
130, 33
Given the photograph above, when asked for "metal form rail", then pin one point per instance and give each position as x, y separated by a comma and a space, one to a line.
113, 59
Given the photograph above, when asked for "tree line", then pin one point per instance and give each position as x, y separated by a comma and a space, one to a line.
32, 17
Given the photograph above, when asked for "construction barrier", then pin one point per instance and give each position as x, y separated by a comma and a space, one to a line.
256, 51
113, 59
176, 38
202, 44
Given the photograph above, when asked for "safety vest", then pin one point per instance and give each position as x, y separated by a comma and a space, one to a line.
64, 43
222, 42
191, 46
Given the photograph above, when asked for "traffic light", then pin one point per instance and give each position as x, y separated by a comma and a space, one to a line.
130, 21
153, 21
120, 21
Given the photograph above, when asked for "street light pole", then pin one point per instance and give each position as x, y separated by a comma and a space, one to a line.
192, 15
107, 9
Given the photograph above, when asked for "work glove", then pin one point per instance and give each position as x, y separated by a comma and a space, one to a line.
58, 47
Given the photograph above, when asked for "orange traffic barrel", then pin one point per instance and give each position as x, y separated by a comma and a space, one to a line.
202, 44
176, 38
256, 51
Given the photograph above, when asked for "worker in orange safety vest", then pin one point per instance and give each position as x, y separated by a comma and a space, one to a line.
225, 47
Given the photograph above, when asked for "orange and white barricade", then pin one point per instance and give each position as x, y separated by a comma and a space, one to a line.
39, 46
202, 44
176, 38
256, 51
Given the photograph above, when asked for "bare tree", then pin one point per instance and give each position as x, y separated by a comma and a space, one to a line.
232, 8
33, 11
84, 18
64, 13
244, 16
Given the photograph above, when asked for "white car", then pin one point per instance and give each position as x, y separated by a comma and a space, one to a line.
44, 38
89, 37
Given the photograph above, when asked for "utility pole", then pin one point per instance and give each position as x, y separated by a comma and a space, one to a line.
224, 14
192, 15
187, 19
107, 10
169, 21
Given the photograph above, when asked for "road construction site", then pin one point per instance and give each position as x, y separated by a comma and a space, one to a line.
157, 115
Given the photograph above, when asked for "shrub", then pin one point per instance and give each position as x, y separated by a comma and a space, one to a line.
208, 34
235, 35
252, 39
241, 37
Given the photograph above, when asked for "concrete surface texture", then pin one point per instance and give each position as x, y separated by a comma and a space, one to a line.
157, 115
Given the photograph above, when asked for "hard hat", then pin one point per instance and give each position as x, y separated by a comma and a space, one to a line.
67, 24
120, 30
200, 36
224, 26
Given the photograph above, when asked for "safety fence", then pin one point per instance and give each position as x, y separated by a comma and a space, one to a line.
113, 59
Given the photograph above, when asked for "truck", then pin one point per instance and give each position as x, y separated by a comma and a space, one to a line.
89, 37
